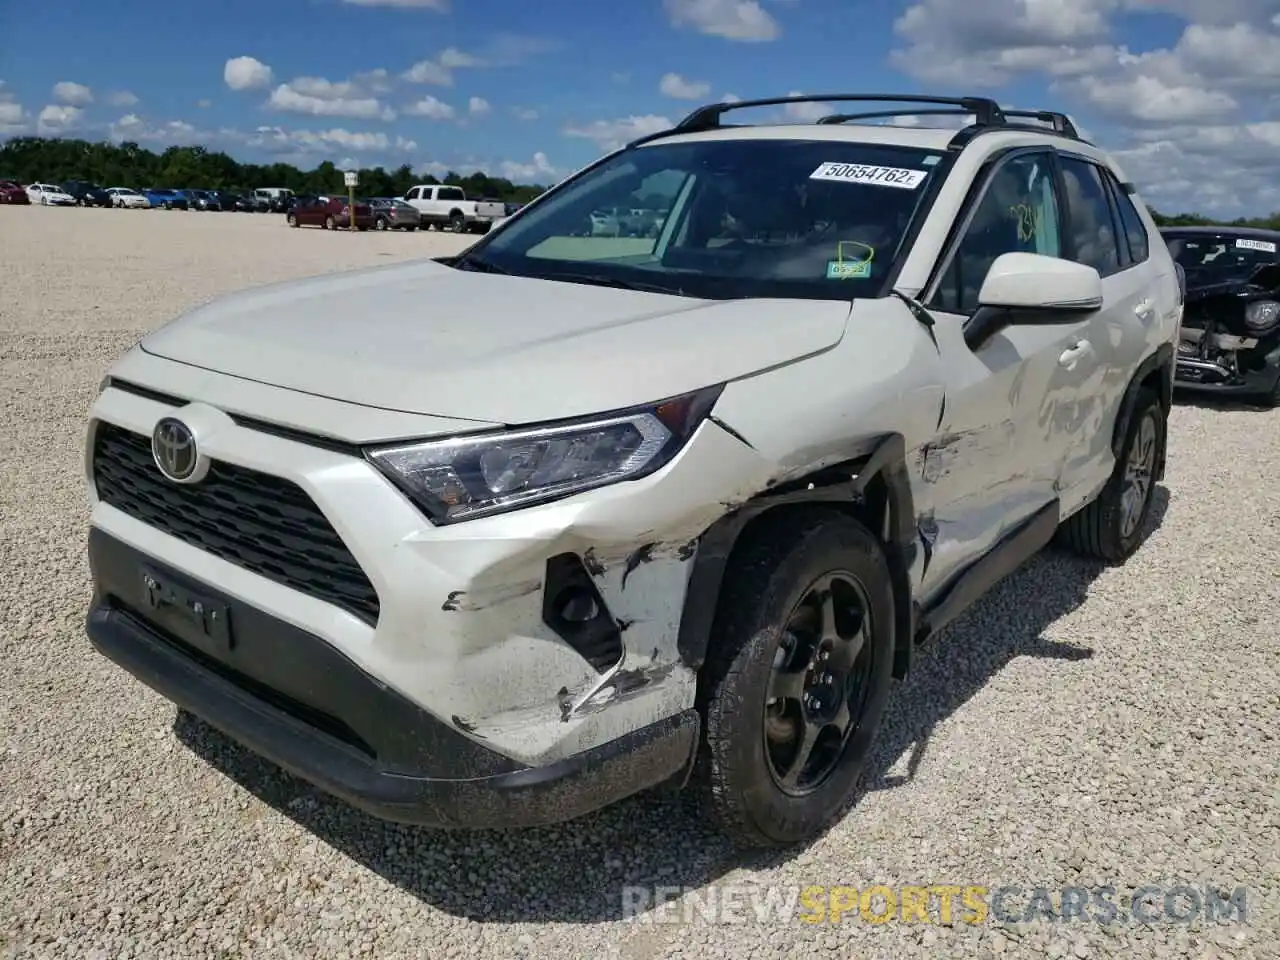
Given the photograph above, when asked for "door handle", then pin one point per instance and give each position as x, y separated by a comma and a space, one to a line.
1145, 308
1071, 356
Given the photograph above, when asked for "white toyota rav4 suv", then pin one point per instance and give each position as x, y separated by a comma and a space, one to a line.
619, 512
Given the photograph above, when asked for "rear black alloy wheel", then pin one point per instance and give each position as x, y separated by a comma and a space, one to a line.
797, 678
1111, 527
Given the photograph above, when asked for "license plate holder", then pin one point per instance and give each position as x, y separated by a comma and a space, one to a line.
187, 613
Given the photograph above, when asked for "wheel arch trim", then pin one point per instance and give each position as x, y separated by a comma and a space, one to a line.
873, 487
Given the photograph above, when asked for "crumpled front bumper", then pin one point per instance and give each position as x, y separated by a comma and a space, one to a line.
293, 699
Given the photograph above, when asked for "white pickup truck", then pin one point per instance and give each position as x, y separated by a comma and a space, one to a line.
443, 207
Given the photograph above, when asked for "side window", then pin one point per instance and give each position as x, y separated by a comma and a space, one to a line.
1018, 213
414, 193
1135, 230
1093, 229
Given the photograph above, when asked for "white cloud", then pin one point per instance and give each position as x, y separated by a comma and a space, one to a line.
431, 108
246, 73
429, 71
121, 98
478, 106
1190, 121
333, 142
612, 134
438, 70
452, 59
318, 97
740, 20
525, 113
13, 119
539, 170
72, 94
678, 88
204, 104
806, 112
174, 133
55, 119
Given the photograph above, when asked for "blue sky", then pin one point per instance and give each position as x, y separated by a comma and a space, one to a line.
1183, 91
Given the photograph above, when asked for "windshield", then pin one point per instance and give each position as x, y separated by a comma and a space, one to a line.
723, 219
1223, 255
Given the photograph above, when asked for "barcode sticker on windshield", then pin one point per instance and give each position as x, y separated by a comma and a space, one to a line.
1266, 246
867, 173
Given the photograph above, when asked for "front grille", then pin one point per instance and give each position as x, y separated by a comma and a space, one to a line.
259, 522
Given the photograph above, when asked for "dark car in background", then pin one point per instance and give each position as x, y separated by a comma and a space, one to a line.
392, 213
87, 193
330, 213
11, 191
243, 202
218, 200
1230, 337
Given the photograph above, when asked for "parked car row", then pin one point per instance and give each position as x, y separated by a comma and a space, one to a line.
330, 212
84, 193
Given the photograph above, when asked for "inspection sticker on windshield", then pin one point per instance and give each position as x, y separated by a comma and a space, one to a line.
867, 173
1266, 246
848, 269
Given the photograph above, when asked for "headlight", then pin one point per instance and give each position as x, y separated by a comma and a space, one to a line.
467, 477
1262, 315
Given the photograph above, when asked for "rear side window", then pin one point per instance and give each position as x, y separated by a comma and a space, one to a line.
1135, 230
1093, 229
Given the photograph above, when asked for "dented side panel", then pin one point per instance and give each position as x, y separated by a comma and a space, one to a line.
1003, 438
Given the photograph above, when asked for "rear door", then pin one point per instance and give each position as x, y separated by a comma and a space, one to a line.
998, 455
1120, 334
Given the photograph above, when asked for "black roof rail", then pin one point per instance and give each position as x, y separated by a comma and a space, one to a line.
1060, 122
985, 110
879, 114
986, 113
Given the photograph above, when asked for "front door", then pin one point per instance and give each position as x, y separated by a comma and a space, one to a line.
1001, 445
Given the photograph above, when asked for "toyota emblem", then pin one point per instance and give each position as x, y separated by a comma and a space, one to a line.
173, 446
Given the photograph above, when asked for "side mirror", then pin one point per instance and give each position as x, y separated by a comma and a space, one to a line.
1030, 288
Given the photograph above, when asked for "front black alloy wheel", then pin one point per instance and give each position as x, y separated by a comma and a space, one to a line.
818, 684
797, 676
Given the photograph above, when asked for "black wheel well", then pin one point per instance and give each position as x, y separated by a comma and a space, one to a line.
1154, 374
872, 490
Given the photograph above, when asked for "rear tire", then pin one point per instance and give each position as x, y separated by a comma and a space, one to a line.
1111, 526
758, 687
291, 219
330, 223
457, 223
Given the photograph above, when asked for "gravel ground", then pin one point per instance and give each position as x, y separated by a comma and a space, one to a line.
1080, 727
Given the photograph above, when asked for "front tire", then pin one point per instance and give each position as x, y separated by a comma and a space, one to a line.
291, 219
330, 223
1110, 527
797, 677
457, 223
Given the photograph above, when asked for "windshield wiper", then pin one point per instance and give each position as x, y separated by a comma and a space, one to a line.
479, 266
598, 281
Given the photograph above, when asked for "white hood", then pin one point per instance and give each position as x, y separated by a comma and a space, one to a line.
424, 338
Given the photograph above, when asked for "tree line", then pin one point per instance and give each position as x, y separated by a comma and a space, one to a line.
56, 160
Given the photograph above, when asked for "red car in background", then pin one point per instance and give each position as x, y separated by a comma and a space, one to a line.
12, 192
330, 213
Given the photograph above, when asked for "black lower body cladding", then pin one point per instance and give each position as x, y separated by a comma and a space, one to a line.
293, 699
